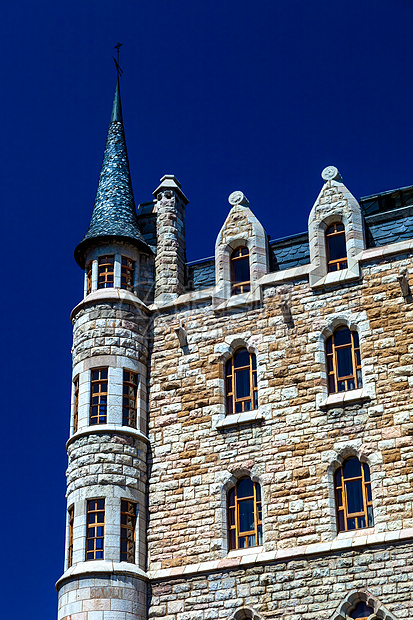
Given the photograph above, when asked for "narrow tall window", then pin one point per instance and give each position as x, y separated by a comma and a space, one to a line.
361, 612
76, 404
106, 271
245, 514
343, 361
353, 496
127, 274
71, 518
98, 396
336, 247
89, 277
241, 382
240, 271
95, 529
127, 531
130, 390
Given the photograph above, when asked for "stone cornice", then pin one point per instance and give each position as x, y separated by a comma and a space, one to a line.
96, 567
107, 428
110, 295
242, 558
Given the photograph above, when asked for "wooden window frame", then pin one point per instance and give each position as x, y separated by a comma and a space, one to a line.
127, 273
234, 521
76, 404
236, 255
356, 367
230, 380
336, 264
106, 271
89, 272
101, 394
342, 506
71, 519
92, 509
130, 395
128, 511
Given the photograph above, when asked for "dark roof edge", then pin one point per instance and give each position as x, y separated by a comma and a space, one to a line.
390, 191
82, 248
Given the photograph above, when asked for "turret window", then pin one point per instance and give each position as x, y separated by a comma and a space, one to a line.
240, 271
343, 361
98, 396
245, 514
127, 531
106, 271
353, 496
127, 273
95, 529
130, 390
336, 247
71, 518
76, 404
89, 278
241, 382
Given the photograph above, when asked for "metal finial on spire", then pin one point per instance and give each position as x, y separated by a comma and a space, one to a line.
118, 69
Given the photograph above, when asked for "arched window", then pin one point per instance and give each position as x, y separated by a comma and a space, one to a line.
353, 496
343, 361
336, 247
245, 514
240, 271
361, 612
241, 382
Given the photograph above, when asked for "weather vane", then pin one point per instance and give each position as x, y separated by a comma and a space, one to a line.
117, 48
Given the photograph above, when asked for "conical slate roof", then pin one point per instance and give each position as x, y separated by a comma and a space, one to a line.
114, 213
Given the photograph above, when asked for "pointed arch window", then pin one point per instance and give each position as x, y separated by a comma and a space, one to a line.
361, 612
343, 361
353, 496
245, 514
241, 382
240, 271
336, 247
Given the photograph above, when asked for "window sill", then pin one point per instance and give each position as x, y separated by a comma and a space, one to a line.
345, 398
335, 277
248, 417
247, 551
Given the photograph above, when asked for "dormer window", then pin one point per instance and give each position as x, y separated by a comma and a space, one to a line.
240, 271
127, 273
106, 271
336, 247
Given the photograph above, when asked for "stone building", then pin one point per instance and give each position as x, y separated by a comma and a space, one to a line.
241, 430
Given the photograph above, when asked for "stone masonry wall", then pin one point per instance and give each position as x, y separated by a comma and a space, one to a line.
291, 453
113, 597
292, 590
109, 328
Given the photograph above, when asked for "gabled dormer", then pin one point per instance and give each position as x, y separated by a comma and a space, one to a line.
336, 233
241, 255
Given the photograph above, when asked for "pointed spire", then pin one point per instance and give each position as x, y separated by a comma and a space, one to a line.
116, 108
114, 212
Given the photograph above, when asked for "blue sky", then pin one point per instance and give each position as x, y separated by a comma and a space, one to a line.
258, 96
